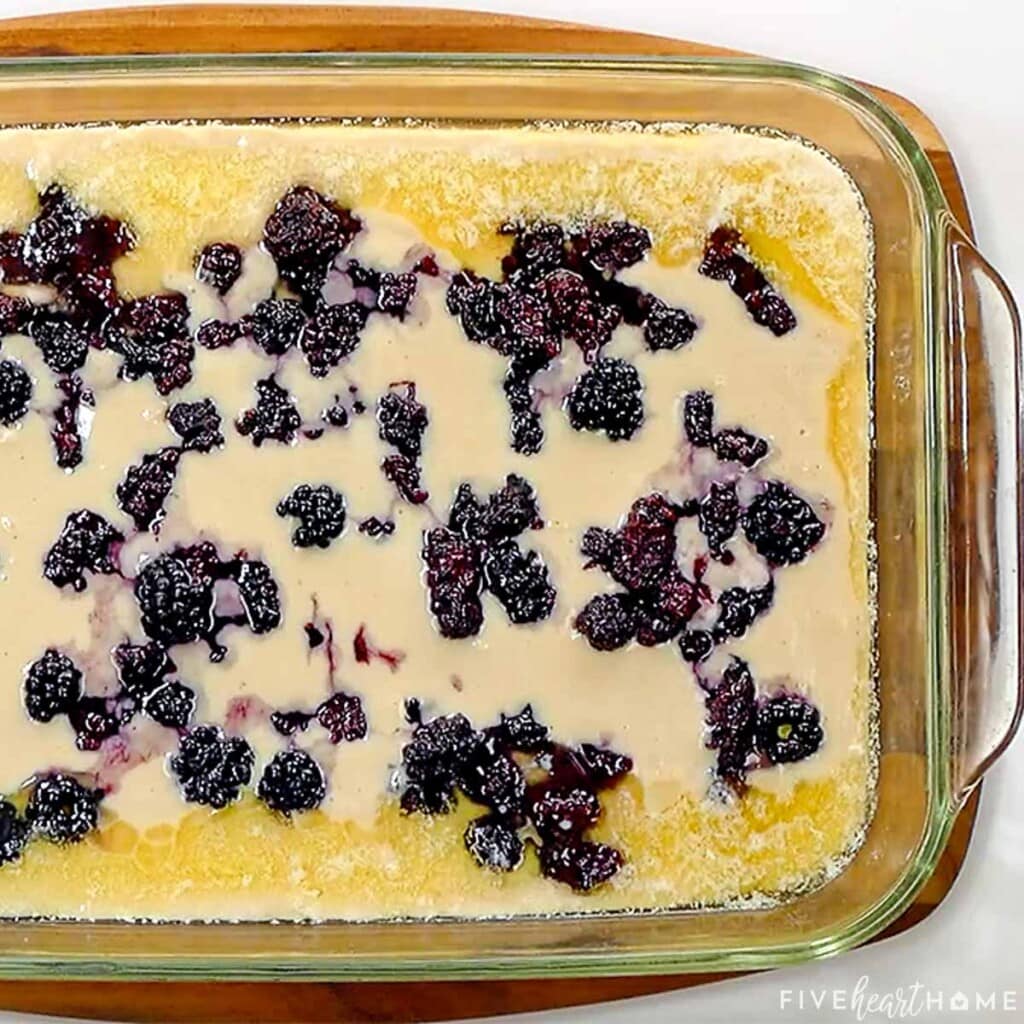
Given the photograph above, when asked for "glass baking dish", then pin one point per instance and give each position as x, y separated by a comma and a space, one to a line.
946, 498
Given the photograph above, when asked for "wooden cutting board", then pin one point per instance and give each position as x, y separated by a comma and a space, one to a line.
237, 29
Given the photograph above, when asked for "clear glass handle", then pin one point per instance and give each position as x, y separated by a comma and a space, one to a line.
984, 511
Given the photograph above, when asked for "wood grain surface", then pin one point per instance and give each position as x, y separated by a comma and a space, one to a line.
210, 29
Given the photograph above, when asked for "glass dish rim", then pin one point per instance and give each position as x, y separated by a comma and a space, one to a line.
942, 808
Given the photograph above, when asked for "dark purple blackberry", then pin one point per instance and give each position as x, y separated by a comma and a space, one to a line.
536, 251
64, 348
15, 314
197, 424
598, 546
524, 332
15, 392
288, 723
53, 685
527, 433
173, 705
563, 812
276, 324
718, 516
146, 486
725, 260
581, 864
336, 415
374, 527
401, 421
14, 832
592, 325
607, 397
667, 329
432, 759
343, 717
219, 265
608, 621
151, 334
602, 765
214, 334
141, 668
212, 768
94, 720
613, 245
494, 844
454, 577
88, 294
67, 438
736, 445
698, 418
87, 543
274, 418
404, 473
738, 608
292, 782
176, 606
696, 645
304, 234
331, 335
394, 293
489, 776
511, 509
633, 304
320, 511
363, 276
61, 809
663, 610
475, 301
568, 296
788, 728
519, 580
730, 712
13, 269
782, 527
51, 239
645, 545
259, 594
522, 731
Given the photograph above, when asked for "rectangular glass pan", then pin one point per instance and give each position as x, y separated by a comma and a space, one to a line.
946, 497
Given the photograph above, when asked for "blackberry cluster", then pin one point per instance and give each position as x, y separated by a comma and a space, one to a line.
401, 423
478, 551
446, 755
142, 670
320, 511
61, 809
726, 259
384, 291
732, 444
341, 715
273, 418
87, 543
640, 556
331, 335
197, 424
556, 287
210, 767
151, 335
146, 486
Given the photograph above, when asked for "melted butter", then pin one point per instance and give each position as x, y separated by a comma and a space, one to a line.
642, 701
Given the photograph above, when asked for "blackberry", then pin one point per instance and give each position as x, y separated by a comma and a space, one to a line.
568, 297
394, 293
274, 417
644, 549
219, 265
404, 473
453, 579
536, 251
331, 335
15, 392
524, 331
211, 768
598, 546
176, 606
770, 309
172, 705
214, 334
320, 511
730, 714
197, 424
667, 329
87, 543
607, 397
259, 594
304, 234
292, 782
401, 421
64, 348
61, 809
608, 621
15, 313
613, 245
13, 269
663, 610
141, 668
491, 777
511, 509
146, 486
522, 731
336, 415
276, 324
67, 438
527, 433
343, 717
592, 326
288, 723
718, 516
94, 720
431, 760
151, 334
736, 445
475, 300
493, 844
89, 296
698, 418
788, 728
560, 812
53, 684
738, 608
519, 580
602, 765
581, 864
14, 832
696, 645
782, 527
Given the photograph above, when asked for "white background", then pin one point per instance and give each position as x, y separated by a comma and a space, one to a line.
963, 63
